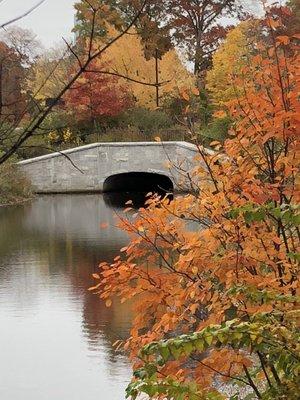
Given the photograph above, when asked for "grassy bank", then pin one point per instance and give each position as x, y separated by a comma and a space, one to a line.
14, 187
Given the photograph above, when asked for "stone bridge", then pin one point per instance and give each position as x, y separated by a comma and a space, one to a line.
109, 167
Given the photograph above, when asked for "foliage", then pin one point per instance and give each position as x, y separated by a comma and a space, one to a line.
193, 25
14, 187
48, 74
216, 272
194, 110
216, 130
230, 59
12, 99
96, 95
29, 123
108, 15
24, 42
127, 57
147, 121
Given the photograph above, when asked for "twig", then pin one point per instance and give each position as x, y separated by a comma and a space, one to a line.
23, 15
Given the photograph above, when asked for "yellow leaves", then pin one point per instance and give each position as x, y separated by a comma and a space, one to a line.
96, 276
127, 57
192, 294
195, 270
157, 139
229, 62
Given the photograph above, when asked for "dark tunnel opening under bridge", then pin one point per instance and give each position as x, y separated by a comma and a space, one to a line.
134, 186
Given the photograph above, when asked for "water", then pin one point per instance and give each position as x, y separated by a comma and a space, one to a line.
55, 336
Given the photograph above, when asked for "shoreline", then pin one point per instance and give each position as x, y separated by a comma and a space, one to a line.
16, 203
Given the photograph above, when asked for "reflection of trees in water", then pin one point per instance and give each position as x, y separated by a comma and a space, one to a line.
98, 322
11, 228
63, 247
110, 324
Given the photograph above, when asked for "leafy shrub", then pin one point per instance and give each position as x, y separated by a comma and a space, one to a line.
14, 187
216, 130
146, 121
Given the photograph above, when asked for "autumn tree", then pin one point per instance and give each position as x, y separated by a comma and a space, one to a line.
215, 273
24, 43
230, 59
155, 43
12, 99
49, 73
23, 129
127, 58
95, 96
194, 26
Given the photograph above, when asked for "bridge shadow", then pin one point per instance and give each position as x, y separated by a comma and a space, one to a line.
120, 188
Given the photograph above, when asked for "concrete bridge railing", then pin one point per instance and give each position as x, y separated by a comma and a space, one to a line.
96, 163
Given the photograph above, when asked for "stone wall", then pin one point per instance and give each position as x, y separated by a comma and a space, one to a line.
55, 173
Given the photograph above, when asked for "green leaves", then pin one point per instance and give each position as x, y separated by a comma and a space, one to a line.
289, 214
171, 388
232, 332
272, 335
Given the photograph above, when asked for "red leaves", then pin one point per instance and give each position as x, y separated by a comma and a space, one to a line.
97, 95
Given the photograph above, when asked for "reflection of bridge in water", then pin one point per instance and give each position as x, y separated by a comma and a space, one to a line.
110, 167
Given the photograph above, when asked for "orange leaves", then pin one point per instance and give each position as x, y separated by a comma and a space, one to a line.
206, 255
196, 91
185, 96
220, 114
274, 24
283, 40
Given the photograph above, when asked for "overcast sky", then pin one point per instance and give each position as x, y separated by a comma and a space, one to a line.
52, 20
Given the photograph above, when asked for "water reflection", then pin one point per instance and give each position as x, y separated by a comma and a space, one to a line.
56, 337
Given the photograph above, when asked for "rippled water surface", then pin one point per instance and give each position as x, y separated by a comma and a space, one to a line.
55, 336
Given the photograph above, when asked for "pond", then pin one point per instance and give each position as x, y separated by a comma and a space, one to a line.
55, 336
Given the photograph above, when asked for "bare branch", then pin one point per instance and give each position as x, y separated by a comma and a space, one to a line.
128, 78
62, 153
23, 15
39, 119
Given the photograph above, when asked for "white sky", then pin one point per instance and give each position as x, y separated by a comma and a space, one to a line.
52, 20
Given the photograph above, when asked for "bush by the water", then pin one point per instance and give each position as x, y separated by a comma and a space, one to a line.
14, 187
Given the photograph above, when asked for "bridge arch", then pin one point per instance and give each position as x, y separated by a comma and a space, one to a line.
138, 182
